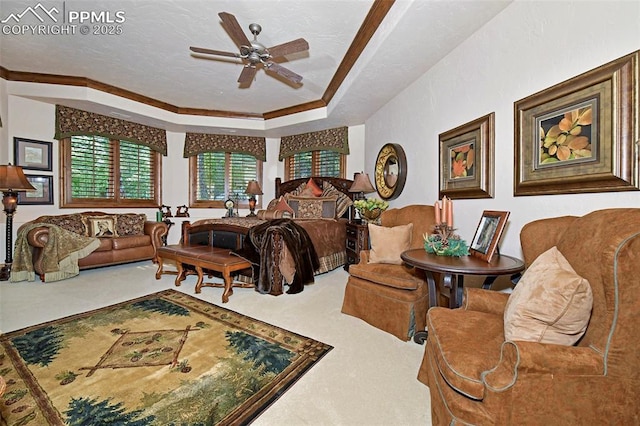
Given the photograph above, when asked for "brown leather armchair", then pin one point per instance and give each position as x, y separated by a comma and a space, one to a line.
476, 376
393, 298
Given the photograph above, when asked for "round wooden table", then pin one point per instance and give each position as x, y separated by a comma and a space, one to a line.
453, 270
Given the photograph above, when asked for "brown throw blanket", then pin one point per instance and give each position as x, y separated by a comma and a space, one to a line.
258, 250
60, 254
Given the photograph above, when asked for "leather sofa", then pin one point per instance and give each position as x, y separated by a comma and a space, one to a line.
479, 373
133, 238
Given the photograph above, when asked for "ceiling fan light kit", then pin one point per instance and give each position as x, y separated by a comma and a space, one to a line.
254, 53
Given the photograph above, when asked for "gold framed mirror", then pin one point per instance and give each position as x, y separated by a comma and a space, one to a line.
390, 171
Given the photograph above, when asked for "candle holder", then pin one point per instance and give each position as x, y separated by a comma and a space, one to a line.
445, 242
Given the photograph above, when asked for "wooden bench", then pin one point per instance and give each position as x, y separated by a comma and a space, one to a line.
197, 250
203, 258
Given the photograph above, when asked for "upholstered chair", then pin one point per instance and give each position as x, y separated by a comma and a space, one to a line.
383, 291
563, 348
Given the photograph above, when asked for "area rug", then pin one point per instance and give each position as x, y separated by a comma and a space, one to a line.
164, 359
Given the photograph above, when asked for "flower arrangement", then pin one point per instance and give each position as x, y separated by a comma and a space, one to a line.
445, 243
370, 209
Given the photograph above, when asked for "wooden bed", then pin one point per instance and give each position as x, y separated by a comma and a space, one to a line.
327, 235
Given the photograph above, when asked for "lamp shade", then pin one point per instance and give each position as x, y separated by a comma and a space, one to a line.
12, 179
362, 183
253, 188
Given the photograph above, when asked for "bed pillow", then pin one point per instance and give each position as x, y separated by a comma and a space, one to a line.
388, 243
343, 202
313, 187
297, 191
282, 205
100, 226
550, 304
273, 214
306, 189
272, 204
313, 207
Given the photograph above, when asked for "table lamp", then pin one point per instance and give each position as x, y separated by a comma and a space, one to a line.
362, 184
12, 180
253, 189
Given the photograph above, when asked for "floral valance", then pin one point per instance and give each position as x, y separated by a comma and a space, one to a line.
324, 140
197, 143
75, 122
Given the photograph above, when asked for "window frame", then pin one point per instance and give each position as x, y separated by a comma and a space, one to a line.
66, 191
315, 160
240, 202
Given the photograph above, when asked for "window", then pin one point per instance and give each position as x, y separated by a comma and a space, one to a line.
218, 176
103, 172
315, 163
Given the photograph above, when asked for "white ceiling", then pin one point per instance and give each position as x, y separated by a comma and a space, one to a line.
151, 56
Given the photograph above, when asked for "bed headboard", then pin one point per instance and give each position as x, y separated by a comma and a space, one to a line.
341, 185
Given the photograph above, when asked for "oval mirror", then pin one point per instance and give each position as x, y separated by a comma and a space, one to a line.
390, 171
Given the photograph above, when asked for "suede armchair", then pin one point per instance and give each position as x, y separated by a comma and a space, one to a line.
392, 297
477, 376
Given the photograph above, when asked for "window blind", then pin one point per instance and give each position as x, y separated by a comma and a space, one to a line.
100, 165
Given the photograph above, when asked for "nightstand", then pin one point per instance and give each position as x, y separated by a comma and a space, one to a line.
357, 239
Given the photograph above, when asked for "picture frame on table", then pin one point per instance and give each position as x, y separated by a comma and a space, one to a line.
43, 193
467, 159
485, 241
32, 154
580, 136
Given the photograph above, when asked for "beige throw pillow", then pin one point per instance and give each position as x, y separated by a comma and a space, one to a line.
388, 243
550, 304
100, 226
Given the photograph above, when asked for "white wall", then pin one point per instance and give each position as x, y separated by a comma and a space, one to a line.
530, 46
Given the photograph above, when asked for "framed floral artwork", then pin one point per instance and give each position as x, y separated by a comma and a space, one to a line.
467, 160
580, 135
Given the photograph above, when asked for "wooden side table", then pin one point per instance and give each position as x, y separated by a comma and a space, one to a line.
454, 269
357, 240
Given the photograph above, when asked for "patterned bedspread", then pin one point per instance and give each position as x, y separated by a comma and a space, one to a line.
328, 237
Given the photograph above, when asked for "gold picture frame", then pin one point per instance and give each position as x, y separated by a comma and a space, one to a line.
467, 159
580, 136
485, 241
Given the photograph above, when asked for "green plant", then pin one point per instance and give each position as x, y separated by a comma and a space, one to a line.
445, 245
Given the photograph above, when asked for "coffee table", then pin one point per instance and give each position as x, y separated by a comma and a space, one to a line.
453, 270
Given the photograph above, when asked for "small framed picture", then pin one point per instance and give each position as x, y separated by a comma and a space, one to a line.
33, 155
43, 193
467, 159
485, 241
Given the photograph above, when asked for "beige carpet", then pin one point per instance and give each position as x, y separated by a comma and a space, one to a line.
369, 378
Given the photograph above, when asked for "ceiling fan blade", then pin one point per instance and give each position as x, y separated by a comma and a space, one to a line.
247, 75
295, 46
213, 52
230, 24
284, 72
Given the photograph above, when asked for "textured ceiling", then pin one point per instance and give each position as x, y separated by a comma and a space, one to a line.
151, 56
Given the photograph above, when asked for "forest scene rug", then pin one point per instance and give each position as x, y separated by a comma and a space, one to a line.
163, 359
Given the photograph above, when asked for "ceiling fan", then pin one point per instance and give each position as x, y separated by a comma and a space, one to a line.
255, 54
